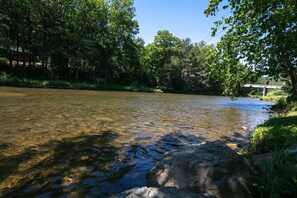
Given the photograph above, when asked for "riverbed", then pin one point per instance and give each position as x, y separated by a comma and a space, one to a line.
98, 143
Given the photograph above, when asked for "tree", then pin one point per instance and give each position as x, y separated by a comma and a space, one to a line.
159, 56
195, 72
261, 35
120, 43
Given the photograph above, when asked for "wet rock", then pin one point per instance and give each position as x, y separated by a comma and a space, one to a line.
210, 167
161, 192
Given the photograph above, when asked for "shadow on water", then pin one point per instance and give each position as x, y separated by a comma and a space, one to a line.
87, 165
239, 139
212, 166
59, 167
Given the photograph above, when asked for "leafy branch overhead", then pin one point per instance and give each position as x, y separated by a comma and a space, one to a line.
261, 35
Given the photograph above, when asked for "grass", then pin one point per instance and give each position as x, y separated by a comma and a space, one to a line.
8, 80
277, 133
274, 95
277, 136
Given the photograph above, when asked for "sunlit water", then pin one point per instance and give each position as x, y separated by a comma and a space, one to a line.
72, 143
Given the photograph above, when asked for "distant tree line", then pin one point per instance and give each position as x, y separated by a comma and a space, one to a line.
96, 41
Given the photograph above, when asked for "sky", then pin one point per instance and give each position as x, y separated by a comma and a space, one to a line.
183, 18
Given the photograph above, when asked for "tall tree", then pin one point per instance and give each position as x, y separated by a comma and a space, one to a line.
159, 55
261, 34
120, 38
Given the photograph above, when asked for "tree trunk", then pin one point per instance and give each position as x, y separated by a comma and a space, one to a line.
29, 40
76, 74
52, 72
293, 78
24, 56
9, 57
30, 60
292, 73
17, 48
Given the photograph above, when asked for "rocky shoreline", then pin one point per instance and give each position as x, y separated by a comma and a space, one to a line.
209, 169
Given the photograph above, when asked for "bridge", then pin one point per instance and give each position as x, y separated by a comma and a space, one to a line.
264, 87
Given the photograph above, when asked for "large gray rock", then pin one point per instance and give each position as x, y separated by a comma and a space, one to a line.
262, 162
210, 167
161, 192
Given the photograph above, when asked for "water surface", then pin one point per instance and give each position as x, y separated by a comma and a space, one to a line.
90, 143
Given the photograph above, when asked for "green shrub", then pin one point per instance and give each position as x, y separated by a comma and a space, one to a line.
280, 180
277, 92
280, 100
293, 106
3, 61
277, 133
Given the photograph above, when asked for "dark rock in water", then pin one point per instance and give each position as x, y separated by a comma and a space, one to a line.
210, 167
161, 192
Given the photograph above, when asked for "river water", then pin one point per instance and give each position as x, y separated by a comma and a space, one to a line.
70, 143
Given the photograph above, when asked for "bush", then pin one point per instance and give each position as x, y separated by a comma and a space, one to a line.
276, 133
4, 64
277, 92
8, 80
280, 180
278, 136
3, 61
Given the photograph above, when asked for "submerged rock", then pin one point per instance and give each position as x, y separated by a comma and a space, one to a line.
210, 167
161, 192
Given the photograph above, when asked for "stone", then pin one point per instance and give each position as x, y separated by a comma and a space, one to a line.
261, 162
210, 167
162, 192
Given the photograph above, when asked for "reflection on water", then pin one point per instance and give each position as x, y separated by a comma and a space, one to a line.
87, 143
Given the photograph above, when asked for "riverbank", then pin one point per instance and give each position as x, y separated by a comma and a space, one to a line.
276, 139
13, 81
8, 80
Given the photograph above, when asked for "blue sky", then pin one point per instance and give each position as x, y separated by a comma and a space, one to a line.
183, 18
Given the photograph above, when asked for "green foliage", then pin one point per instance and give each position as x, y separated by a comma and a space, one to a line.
8, 80
279, 136
4, 67
159, 56
277, 133
293, 106
279, 100
280, 180
174, 64
3, 61
261, 34
229, 71
71, 39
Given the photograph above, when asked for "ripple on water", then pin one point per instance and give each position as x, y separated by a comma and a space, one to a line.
57, 143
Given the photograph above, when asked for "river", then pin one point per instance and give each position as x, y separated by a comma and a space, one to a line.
97, 143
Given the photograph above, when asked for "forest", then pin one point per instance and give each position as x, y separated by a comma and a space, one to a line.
94, 44
96, 41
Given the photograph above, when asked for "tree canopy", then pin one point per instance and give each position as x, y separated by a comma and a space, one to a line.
96, 41
260, 35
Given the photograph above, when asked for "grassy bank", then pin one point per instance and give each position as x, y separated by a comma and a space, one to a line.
8, 80
277, 136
